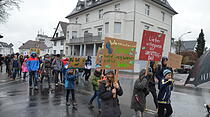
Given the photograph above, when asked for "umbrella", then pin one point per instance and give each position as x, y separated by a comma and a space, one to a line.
200, 73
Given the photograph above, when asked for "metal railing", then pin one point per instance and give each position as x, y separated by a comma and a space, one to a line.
85, 39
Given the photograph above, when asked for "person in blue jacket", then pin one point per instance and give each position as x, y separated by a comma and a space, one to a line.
164, 102
33, 67
70, 86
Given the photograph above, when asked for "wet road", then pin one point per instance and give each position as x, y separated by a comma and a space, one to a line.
16, 100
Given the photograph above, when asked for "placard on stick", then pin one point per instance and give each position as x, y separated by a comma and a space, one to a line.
34, 50
174, 60
118, 54
152, 46
76, 62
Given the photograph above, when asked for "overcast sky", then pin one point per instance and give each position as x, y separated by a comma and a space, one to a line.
44, 15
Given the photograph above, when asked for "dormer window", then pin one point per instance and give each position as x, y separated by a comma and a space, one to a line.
89, 2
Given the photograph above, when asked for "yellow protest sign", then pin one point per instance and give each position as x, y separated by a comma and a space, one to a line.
76, 62
118, 54
35, 50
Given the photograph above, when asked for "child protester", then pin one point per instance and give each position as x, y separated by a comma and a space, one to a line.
70, 86
140, 91
109, 91
164, 102
95, 82
24, 69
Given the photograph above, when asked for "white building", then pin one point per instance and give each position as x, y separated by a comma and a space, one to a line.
92, 20
25, 48
46, 40
59, 39
5, 48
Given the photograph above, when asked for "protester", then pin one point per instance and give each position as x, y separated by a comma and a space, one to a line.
140, 91
207, 106
16, 65
88, 65
21, 59
1, 62
57, 67
46, 69
109, 91
24, 69
152, 84
95, 82
65, 67
33, 67
70, 87
160, 69
164, 102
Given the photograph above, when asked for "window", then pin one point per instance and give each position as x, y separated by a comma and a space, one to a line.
147, 9
76, 20
67, 34
117, 27
74, 34
61, 51
87, 17
55, 43
89, 2
117, 7
100, 15
164, 1
99, 31
146, 27
54, 51
163, 16
107, 27
56, 35
62, 42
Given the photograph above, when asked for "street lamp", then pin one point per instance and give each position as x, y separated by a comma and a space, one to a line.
179, 42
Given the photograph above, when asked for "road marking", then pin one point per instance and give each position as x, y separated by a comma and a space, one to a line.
9, 82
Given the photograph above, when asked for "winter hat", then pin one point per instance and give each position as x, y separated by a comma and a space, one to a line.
97, 66
167, 71
164, 58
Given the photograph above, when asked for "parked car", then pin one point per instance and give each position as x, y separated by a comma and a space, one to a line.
184, 69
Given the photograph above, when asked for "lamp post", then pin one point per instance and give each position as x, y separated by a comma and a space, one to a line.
179, 42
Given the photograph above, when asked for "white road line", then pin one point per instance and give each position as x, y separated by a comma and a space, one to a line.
9, 82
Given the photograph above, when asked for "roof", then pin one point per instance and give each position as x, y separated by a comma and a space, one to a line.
188, 45
101, 2
165, 4
5, 45
58, 38
33, 44
63, 26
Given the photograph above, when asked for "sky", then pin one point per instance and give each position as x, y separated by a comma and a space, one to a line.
43, 16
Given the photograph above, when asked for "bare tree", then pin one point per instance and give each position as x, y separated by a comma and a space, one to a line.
6, 6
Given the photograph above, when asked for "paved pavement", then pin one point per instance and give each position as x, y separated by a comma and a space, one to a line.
17, 100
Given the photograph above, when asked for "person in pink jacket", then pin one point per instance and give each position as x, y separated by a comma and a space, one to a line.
24, 69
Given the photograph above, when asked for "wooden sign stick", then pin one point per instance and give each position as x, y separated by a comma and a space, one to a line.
147, 68
116, 81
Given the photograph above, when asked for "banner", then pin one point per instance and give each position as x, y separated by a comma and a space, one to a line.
174, 60
76, 62
35, 50
151, 46
118, 54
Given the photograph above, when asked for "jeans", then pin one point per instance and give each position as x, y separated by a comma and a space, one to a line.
161, 109
72, 95
33, 76
96, 94
14, 72
87, 74
24, 75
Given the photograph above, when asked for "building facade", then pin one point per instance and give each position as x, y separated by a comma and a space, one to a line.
6, 49
59, 39
47, 41
93, 20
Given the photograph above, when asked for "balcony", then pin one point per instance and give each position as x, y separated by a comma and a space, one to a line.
87, 39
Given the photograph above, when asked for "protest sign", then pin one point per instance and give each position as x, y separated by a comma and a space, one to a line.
118, 54
174, 60
35, 50
76, 62
151, 46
